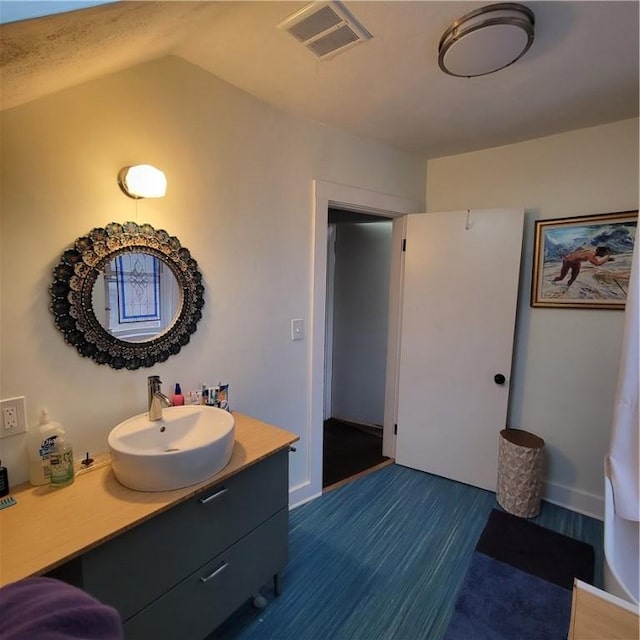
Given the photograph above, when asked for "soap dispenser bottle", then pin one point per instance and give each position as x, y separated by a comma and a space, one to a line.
62, 473
40, 442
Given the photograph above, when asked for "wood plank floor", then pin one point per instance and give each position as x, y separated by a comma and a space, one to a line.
348, 450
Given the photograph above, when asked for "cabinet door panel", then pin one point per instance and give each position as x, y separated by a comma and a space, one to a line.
197, 605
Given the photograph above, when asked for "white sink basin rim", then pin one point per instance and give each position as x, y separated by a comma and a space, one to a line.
188, 445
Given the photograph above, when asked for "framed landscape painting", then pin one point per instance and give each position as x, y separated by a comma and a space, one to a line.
583, 262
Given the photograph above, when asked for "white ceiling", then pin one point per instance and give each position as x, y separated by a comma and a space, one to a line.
581, 71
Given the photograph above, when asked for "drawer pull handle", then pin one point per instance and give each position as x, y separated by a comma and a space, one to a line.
213, 496
220, 569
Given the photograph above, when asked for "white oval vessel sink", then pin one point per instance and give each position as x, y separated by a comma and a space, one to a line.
188, 445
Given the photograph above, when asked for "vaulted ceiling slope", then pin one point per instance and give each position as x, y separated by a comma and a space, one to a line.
581, 71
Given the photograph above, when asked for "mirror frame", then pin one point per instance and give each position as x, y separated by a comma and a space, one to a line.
72, 289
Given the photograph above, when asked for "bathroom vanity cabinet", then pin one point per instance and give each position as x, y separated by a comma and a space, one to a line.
180, 571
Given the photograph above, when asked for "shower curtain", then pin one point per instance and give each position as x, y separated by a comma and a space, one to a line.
623, 455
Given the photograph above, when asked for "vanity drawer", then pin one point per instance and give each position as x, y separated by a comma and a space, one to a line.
229, 510
201, 602
138, 566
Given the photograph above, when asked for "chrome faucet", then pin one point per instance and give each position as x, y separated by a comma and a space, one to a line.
157, 399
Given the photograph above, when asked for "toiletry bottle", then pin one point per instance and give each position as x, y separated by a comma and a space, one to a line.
40, 441
178, 398
61, 463
4, 481
223, 396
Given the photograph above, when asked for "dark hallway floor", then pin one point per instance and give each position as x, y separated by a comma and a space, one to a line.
348, 450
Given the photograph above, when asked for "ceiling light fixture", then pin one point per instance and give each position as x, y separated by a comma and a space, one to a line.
142, 181
486, 40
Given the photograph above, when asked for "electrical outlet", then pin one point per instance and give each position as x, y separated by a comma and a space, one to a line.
10, 417
13, 417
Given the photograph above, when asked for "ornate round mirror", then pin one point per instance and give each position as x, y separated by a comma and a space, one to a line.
127, 295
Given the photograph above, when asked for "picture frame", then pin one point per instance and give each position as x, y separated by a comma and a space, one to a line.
583, 262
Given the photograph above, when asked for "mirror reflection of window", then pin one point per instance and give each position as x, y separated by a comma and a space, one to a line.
138, 285
141, 297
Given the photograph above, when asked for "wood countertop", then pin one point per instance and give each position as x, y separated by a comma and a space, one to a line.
48, 527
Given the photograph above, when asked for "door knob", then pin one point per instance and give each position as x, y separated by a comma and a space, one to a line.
499, 378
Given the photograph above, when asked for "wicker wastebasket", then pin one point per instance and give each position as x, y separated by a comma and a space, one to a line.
520, 472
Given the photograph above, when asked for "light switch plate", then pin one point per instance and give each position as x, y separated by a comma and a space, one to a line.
297, 329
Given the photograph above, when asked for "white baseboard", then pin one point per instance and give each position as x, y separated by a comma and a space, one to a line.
588, 504
302, 493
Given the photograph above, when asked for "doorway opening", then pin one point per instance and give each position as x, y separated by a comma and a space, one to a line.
356, 336
327, 195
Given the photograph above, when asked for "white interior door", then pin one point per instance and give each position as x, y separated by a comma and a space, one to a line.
460, 296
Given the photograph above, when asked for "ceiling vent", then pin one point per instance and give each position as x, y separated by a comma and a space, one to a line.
325, 28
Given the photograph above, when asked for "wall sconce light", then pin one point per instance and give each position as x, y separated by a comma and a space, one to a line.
142, 181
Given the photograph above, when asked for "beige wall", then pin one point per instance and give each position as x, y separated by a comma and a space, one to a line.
566, 361
239, 197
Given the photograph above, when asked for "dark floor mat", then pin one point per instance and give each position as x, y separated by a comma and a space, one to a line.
539, 551
499, 602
